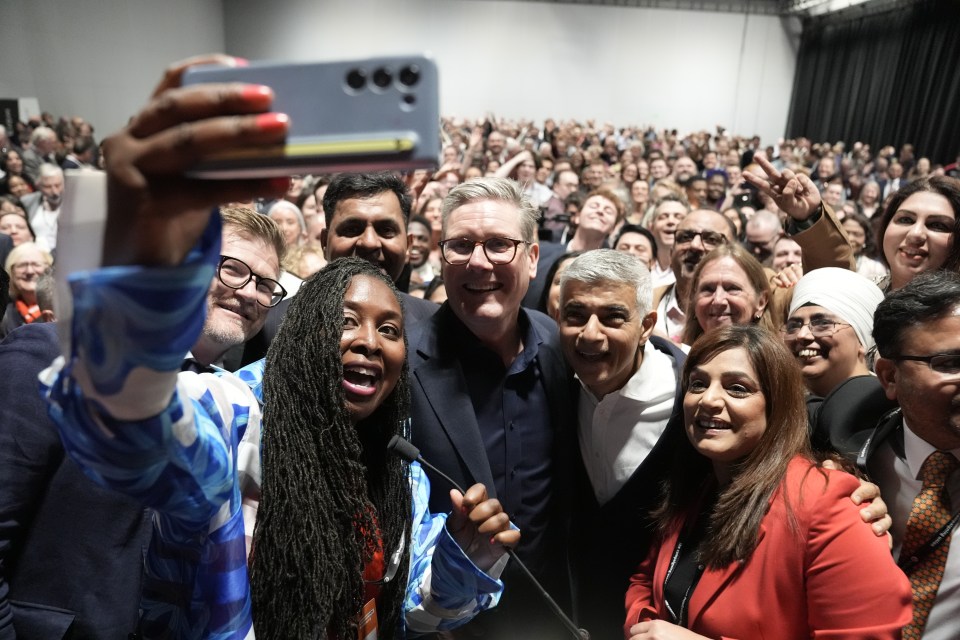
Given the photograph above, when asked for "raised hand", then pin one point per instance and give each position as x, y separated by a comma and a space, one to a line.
480, 526
794, 193
155, 214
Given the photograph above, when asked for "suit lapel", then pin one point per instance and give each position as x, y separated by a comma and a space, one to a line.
712, 584
442, 382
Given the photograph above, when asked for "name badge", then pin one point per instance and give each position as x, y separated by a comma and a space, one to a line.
367, 629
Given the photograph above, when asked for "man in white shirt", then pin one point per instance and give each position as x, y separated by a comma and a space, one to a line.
625, 397
914, 454
43, 206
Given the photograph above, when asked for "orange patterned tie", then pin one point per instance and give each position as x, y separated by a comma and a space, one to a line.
931, 510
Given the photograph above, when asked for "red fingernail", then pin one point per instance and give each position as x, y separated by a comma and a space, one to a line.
272, 122
256, 93
240, 62
493, 540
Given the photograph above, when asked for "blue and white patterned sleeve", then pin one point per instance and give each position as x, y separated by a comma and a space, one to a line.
445, 588
136, 424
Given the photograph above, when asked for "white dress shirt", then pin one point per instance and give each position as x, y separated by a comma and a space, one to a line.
617, 432
670, 318
899, 484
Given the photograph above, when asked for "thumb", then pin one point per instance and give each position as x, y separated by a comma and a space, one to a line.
457, 519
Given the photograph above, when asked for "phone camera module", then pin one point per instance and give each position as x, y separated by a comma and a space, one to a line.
382, 78
409, 75
356, 79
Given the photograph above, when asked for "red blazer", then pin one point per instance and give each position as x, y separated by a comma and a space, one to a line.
834, 579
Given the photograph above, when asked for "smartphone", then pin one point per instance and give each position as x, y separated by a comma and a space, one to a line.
355, 115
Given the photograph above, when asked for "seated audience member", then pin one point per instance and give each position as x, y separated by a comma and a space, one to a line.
303, 260
860, 234
739, 220
43, 206
666, 215
868, 202
16, 186
556, 218
598, 216
290, 220
550, 296
625, 396
420, 251
639, 201
762, 232
637, 241
747, 513
786, 253
11, 164
593, 223
918, 229
335, 508
16, 225
829, 328
24, 264
435, 292
729, 287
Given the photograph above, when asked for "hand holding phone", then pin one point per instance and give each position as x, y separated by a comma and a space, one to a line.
355, 115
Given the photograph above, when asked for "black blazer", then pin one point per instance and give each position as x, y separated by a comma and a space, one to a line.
611, 540
444, 427
71, 552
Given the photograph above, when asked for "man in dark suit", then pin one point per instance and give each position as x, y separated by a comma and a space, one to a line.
626, 394
71, 552
490, 395
913, 454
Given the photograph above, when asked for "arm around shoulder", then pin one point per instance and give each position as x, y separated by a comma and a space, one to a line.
854, 588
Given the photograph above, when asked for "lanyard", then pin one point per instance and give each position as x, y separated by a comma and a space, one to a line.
931, 545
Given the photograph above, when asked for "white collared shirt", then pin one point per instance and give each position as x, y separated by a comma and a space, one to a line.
661, 277
618, 432
670, 318
899, 484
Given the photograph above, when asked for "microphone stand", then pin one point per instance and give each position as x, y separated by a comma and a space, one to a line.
406, 450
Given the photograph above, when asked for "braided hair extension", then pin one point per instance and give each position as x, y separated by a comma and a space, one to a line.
331, 491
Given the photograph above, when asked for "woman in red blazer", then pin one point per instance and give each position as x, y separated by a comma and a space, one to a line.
755, 540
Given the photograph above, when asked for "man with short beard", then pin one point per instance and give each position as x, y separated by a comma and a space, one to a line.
43, 206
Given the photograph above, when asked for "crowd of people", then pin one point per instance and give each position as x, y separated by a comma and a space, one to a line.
700, 386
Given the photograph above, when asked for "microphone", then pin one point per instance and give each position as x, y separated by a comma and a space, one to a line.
406, 450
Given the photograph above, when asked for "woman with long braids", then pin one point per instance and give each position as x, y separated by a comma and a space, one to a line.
301, 525
331, 404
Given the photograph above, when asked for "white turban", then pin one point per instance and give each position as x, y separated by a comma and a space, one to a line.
845, 293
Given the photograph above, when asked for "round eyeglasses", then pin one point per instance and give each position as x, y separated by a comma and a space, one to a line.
457, 251
236, 274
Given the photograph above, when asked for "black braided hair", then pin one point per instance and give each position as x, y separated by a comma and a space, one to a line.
330, 490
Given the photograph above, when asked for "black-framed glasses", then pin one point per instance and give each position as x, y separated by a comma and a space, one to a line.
711, 239
819, 327
235, 273
456, 251
945, 363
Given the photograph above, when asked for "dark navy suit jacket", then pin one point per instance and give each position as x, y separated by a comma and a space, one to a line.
445, 428
71, 552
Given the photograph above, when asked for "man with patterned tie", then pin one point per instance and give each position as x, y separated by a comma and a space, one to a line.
913, 454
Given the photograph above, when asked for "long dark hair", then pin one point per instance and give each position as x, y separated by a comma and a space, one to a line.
331, 492
945, 186
735, 519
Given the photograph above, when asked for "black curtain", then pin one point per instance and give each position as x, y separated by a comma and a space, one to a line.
888, 78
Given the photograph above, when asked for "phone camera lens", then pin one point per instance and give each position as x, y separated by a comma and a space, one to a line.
356, 79
409, 75
382, 78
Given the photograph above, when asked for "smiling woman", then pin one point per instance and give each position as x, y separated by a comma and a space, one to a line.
747, 513
919, 227
729, 288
